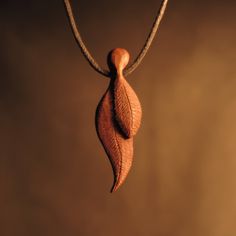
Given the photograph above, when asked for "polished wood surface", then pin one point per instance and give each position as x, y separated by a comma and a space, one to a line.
118, 118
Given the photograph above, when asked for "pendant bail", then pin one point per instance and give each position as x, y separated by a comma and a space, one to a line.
118, 59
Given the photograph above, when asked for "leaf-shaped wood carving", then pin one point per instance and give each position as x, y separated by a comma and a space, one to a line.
118, 118
127, 107
118, 148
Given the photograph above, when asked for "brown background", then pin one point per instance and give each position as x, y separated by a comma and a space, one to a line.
54, 175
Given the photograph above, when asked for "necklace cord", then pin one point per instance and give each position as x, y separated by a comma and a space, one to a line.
140, 56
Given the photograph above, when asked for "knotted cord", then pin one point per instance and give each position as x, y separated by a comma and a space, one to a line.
140, 56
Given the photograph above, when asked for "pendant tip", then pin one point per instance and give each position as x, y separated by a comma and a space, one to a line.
115, 186
114, 189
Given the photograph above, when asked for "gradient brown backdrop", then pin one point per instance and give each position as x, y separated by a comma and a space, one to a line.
54, 175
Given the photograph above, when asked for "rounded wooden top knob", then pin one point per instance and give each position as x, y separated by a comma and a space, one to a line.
118, 59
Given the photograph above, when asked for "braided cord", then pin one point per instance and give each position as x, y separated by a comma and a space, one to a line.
140, 56
149, 39
80, 42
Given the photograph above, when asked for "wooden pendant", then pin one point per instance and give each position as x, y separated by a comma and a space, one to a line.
118, 118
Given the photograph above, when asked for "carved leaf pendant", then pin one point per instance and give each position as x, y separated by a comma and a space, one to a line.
118, 118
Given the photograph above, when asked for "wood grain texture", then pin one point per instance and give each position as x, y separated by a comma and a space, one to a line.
127, 107
118, 149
